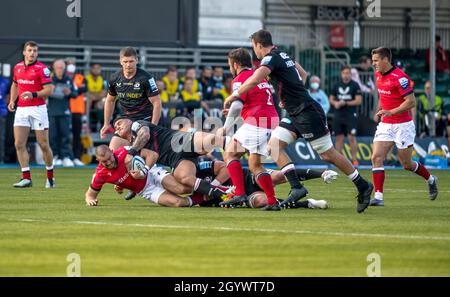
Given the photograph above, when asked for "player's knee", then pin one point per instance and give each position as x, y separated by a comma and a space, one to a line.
410, 166
20, 145
377, 160
323, 146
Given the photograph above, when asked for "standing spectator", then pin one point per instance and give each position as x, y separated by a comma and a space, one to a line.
427, 113
226, 89
344, 97
191, 99
318, 94
171, 81
78, 110
4, 98
206, 82
442, 64
31, 84
60, 115
96, 87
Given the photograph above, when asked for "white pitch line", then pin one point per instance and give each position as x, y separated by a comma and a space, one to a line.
237, 229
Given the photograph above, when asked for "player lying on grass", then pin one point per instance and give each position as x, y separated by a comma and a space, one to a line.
256, 196
158, 185
176, 149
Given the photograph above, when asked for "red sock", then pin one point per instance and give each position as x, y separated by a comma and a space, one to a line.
50, 173
197, 198
265, 182
422, 171
237, 176
26, 174
378, 179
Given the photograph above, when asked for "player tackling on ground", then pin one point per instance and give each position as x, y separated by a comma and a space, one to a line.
306, 118
397, 126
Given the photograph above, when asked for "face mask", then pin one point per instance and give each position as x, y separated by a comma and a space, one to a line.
71, 68
314, 85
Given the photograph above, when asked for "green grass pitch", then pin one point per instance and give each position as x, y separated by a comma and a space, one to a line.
40, 227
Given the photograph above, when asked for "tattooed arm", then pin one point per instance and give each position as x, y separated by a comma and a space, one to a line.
142, 137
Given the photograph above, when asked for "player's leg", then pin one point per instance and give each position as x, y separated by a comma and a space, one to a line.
21, 134
171, 200
380, 150
185, 174
340, 142
262, 177
232, 156
204, 142
328, 176
405, 158
259, 200
353, 148
281, 137
221, 173
43, 141
171, 184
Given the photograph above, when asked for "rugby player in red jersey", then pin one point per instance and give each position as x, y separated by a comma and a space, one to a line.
31, 85
260, 116
396, 126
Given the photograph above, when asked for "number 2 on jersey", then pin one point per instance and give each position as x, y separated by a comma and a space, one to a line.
269, 102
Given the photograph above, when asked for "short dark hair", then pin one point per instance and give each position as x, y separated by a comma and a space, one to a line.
172, 69
262, 36
438, 38
363, 59
241, 56
120, 117
383, 52
128, 52
30, 43
346, 67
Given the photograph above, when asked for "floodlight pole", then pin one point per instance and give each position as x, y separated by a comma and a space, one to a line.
432, 120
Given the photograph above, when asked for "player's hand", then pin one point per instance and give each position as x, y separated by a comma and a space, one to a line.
375, 118
281, 105
225, 112
105, 129
66, 91
119, 190
384, 113
91, 202
26, 95
11, 106
136, 174
227, 102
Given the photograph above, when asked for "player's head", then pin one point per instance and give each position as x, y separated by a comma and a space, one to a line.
261, 41
30, 51
239, 58
105, 156
381, 59
128, 59
122, 127
59, 67
346, 74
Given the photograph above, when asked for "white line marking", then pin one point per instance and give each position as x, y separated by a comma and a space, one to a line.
343, 234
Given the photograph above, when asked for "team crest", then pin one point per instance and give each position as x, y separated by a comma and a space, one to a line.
46, 72
137, 85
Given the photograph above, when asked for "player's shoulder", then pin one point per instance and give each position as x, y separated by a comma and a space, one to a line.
39, 64
116, 76
397, 72
141, 73
20, 64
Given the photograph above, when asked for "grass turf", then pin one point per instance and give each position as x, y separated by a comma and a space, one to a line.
40, 227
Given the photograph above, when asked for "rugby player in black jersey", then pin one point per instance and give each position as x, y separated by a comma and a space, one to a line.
176, 149
306, 118
136, 92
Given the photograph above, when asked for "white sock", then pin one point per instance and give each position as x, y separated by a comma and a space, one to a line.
190, 201
25, 169
49, 167
215, 182
378, 195
431, 179
353, 175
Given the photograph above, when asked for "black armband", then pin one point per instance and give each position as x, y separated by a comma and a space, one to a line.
132, 152
34, 95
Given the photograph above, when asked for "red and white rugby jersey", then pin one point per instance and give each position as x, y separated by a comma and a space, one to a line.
31, 78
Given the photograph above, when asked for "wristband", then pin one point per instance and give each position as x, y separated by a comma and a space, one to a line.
132, 152
34, 95
235, 94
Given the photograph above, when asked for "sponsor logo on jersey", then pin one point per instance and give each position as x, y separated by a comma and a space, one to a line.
46, 72
284, 56
153, 85
25, 82
137, 85
118, 84
266, 60
404, 82
384, 92
308, 135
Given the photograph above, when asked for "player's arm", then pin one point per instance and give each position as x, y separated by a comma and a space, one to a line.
156, 102
46, 91
233, 115
301, 71
110, 103
257, 77
141, 139
13, 97
408, 103
91, 197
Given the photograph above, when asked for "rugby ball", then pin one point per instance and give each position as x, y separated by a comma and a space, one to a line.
138, 164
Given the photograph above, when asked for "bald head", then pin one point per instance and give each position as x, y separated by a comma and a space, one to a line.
59, 66
101, 150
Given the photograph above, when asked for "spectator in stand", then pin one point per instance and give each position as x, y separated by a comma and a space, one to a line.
168, 111
5, 84
171, 82
78, 109
318, 94
206, 82
442, 63
428, 113
218, 77
60, 116
96, 87
191, 100
226, 90
191, 73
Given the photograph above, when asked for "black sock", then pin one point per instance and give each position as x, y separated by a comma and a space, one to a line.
203, 187
302, 204
360, 183
305, 174
293, 179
